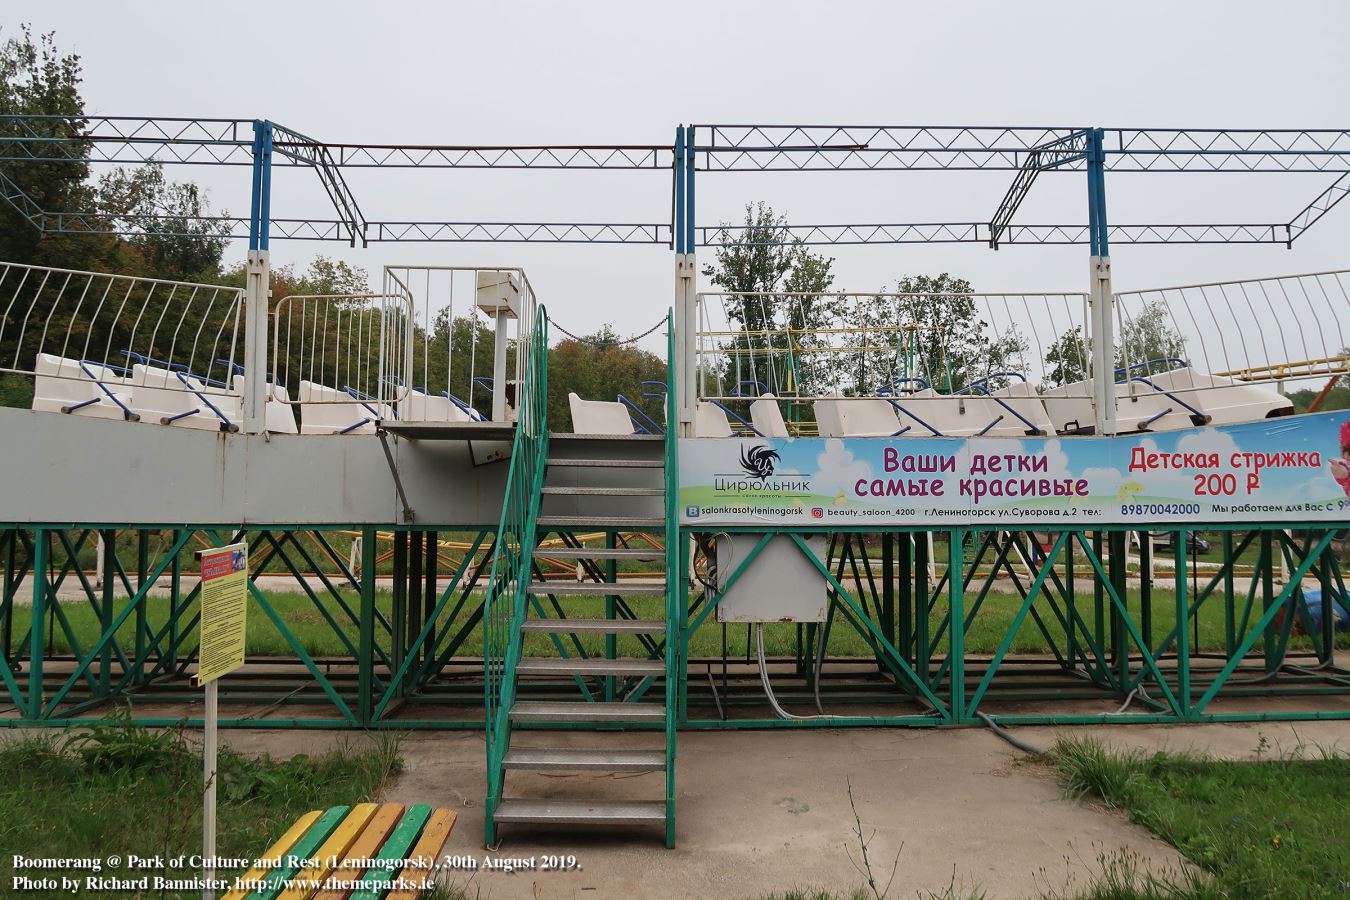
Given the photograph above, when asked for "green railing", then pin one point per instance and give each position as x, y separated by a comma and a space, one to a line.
676, 593
504, 608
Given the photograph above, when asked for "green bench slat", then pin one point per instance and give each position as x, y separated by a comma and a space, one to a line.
276, 880
378, 878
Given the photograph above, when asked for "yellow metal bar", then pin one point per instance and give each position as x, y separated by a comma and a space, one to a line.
1329, 365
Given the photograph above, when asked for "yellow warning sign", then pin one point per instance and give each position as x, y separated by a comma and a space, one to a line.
224, 602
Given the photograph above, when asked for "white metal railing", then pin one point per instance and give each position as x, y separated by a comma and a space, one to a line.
856, 344
85, 341
1285, 328
343, 349
468, 325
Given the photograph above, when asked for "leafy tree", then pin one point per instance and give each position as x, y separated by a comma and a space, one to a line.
950, 344
36, 79
1145, 337
599, 367
1149, 336
184, 243
779, 332
1067, 358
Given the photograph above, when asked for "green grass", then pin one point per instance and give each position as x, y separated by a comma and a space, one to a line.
1277, 827
121, 789
313, 632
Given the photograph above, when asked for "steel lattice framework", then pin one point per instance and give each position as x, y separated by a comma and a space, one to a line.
1026, 152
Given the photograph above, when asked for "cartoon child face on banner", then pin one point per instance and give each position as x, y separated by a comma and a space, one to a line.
1340, 466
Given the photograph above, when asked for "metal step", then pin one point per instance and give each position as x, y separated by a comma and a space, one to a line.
581, 711
590, 665
581, 812
595, 588
636, 553
606, 491
552, 759
555, 523
602, 626
567, 437
611, 463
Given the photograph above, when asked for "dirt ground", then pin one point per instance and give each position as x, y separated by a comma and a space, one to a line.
767, 811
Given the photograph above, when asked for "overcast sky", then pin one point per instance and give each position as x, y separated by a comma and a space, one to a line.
577, 72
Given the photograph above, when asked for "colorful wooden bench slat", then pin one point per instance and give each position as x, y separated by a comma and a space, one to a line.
311, 876
378, 877
423, 857
275, 852
275, 880
338, 846
365, 847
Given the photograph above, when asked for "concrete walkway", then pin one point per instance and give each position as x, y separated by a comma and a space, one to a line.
764, 812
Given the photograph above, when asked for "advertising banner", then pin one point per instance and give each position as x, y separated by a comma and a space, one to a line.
1294, 470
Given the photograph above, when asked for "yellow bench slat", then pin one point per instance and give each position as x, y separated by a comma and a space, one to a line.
275, 852
366, 846
339, 842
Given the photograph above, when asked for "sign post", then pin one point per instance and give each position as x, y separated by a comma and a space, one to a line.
224, 592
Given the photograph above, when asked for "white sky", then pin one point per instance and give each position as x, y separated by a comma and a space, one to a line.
464, 73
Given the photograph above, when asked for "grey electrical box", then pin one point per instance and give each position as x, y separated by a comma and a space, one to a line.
780, 584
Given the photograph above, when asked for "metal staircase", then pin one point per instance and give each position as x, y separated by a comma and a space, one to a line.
579, 662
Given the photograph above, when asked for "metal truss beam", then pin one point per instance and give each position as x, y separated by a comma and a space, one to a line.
522, 232
982, 233
1227, 150
575, 156
1319, 207
1062, 152
296, 146
797, 148
127, 139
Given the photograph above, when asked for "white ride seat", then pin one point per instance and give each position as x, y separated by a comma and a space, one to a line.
1226, 401
1026, 402
1069, 407
767, 418
278, 414
710, 421
65, 386
1142, 407
325, 410
1139, 407
420, 406
164, 397
867, 417
599, 417
829, 424
927, 411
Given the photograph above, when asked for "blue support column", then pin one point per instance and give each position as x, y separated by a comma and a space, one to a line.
1102, 320
257, 283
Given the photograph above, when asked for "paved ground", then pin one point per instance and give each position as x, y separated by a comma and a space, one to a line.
767, 811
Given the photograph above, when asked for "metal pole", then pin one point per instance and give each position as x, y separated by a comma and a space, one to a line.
957, 646
1101, 299
257, 283
35, 639
499, 366
209, 752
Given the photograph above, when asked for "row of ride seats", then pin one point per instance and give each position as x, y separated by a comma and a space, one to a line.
161, 396
1181, 398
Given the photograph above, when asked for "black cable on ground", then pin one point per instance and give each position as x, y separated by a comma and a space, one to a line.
1007, 736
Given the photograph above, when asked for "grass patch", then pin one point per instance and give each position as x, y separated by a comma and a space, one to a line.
121, 789
1277, 827
312, 630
